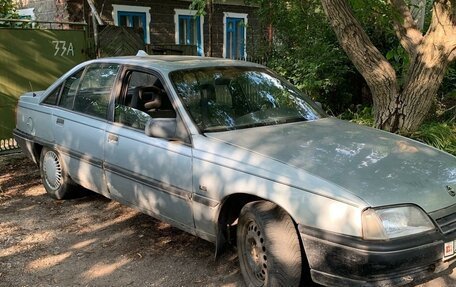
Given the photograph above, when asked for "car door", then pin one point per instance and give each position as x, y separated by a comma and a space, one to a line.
152, 174
80, 121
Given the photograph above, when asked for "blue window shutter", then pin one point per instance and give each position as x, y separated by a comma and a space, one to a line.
130, 18
192, 26
199, 32
235, 32
242, 33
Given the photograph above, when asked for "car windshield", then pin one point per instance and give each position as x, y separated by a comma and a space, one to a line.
228, 98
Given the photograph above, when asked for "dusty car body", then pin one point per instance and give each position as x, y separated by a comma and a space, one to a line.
228, 150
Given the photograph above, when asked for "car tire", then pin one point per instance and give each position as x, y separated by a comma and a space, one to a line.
269, 248
54, 176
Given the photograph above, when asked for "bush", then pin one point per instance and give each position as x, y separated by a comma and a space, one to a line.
362, 116
441, 135
305, 51
437, 133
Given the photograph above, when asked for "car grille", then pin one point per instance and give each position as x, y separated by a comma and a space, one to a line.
447, 223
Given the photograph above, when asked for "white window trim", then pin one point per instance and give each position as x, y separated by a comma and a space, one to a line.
187, 12
27, 12
128, 8
234, 15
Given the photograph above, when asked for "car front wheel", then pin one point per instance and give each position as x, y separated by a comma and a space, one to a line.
268, 246
54, 176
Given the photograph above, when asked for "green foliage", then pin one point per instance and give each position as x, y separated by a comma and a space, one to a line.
377, 17
199, 6
441, 135
306, 52
7, 9
448, 87
437, 133
399, 59
360, 115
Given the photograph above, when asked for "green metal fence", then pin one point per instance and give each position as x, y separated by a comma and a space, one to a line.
32, 58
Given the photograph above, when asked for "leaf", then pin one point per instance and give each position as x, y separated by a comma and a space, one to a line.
390, 54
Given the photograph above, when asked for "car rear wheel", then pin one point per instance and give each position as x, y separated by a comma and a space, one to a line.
268, 246
54, 176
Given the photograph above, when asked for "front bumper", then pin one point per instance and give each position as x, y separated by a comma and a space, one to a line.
337, 260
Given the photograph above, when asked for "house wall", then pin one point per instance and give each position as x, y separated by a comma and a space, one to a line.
255, 33
162, 27
46, 10
163, 30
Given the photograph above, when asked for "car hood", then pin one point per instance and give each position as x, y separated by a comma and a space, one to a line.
379, 167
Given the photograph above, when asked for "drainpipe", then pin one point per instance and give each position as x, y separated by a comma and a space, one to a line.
96, 20
95, 35
94, 12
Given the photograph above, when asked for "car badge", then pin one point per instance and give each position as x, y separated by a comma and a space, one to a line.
450, 191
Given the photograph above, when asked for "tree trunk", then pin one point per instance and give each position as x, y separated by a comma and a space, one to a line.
420, 88
376, 70
399, 108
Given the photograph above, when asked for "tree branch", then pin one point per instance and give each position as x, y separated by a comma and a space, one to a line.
443, 25
356, 43
407, 32
373, 66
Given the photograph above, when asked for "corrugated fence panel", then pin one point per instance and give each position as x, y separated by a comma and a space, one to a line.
32, 59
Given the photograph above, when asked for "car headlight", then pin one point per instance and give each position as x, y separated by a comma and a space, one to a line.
393, 222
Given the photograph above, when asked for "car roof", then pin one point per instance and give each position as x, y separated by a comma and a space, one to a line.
169, 63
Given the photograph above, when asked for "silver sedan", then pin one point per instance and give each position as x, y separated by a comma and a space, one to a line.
232, 153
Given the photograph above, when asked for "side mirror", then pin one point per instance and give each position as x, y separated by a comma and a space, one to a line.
319, 105
161, 128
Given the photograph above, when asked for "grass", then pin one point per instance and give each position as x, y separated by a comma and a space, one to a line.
439, 134
362, 116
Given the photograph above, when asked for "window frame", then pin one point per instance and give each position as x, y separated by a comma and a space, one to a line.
188, 12
57, 90
243, 16
127, 71
133, 9
27, 12
110, 95
59, 101
121, 89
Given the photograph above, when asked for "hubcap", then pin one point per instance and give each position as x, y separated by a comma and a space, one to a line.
52, 170
256, 254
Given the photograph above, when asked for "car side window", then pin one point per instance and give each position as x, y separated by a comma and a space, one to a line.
70, 87
53, 97
95, 89
144, 97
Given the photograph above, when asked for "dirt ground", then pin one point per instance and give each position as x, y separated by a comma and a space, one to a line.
93, 241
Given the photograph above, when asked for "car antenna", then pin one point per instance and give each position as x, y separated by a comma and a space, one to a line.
31, 89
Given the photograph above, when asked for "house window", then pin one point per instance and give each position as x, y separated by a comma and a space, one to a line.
234, 35
28, 14
189, 29
136, 17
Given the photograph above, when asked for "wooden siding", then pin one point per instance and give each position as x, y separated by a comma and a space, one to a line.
162, 29
46, 10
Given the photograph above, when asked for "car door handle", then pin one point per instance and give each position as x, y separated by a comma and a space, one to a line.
60, 121
113, 138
